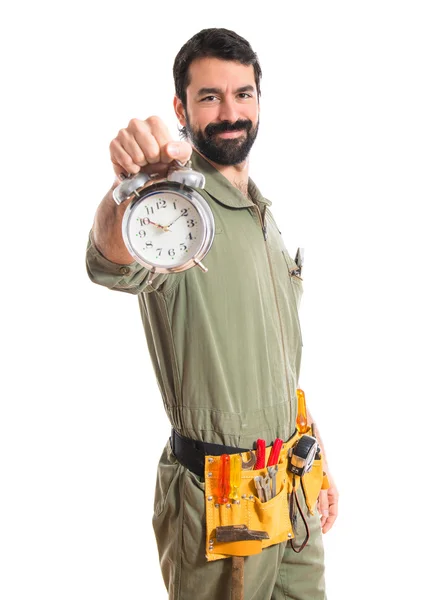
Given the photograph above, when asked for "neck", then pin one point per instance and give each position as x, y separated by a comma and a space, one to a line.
237, 175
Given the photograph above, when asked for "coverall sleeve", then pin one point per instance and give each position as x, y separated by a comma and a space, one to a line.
131, 278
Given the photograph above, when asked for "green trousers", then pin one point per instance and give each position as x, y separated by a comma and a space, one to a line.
277, 573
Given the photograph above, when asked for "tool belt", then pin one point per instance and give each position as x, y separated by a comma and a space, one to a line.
191, 453
275, 516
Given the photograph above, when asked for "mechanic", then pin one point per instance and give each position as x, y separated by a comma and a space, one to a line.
225, 344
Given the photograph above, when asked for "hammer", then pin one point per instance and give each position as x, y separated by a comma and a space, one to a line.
233, 535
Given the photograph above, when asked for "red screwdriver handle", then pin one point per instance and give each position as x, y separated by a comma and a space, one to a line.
261, 454
274, 456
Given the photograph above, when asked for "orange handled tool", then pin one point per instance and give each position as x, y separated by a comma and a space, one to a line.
301, 417
235, 476
223, 479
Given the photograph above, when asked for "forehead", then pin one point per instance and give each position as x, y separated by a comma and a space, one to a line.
217, 73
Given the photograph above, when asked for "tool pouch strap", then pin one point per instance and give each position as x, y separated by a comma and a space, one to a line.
191, 453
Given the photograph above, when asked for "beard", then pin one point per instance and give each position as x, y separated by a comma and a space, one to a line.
231, 151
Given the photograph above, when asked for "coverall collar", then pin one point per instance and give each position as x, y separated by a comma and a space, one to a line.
222, 190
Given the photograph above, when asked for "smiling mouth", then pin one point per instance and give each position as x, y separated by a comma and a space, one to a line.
231, 134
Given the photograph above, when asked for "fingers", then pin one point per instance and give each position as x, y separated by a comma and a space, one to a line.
149, 135
328, 507
121, 159
329, 522
146, 145
323, 507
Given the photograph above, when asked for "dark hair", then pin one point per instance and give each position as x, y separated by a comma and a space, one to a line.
216, 43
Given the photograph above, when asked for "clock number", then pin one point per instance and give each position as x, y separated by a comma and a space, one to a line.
189, 236
144, 220
142, 233
183, 247
149, 244
150, 210
171, 252
184, 212
161, 204
159, 250
191, 222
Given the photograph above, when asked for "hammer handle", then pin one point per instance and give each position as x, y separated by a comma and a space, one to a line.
237, 592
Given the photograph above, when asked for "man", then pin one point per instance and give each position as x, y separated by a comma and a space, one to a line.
225, 344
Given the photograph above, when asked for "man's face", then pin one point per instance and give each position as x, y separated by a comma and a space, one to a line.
222, 109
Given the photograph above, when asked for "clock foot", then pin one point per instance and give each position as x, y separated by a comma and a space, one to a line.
199, 264
150, 279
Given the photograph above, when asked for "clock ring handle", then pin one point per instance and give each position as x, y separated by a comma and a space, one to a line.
185, 174
180, 173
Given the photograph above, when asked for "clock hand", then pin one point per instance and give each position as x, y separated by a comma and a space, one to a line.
164, 227
175, 220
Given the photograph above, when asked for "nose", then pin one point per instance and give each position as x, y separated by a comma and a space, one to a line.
228, 110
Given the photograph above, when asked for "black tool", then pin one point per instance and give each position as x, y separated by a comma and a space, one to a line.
302, 455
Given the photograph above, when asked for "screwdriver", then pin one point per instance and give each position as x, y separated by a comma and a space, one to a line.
261, 454
223, 479
275, 452
301, 417
235, 476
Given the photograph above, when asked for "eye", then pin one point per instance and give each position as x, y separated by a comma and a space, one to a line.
245, 95
208, 98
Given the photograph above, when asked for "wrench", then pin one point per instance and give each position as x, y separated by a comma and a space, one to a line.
273, 476
248, 465
259, 485
266, 488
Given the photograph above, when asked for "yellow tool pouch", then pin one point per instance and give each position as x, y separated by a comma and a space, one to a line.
271, 516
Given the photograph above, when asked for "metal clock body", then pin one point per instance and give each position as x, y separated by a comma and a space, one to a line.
168, 227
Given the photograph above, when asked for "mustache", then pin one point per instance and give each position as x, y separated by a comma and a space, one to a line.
241, 124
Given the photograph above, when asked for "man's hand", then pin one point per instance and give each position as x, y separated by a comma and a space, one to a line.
143, 145
147, 146
328, 505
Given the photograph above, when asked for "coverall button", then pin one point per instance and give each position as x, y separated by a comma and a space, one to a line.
124, 270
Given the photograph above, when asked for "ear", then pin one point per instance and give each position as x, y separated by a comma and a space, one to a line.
179, 110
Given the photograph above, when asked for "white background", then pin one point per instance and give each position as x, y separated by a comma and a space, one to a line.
348, 152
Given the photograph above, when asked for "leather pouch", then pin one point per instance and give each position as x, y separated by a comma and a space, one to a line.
312, 484
271, 516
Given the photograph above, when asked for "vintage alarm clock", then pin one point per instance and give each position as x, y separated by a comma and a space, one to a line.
168, 226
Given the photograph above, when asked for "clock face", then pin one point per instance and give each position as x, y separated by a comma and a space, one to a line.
164, 229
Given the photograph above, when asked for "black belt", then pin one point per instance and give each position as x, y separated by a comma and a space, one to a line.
191, 453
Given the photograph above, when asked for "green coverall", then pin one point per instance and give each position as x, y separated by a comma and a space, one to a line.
226, 349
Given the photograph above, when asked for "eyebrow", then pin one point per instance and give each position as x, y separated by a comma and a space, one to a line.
212, 90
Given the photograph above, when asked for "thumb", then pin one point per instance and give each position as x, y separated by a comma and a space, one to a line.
180, 151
